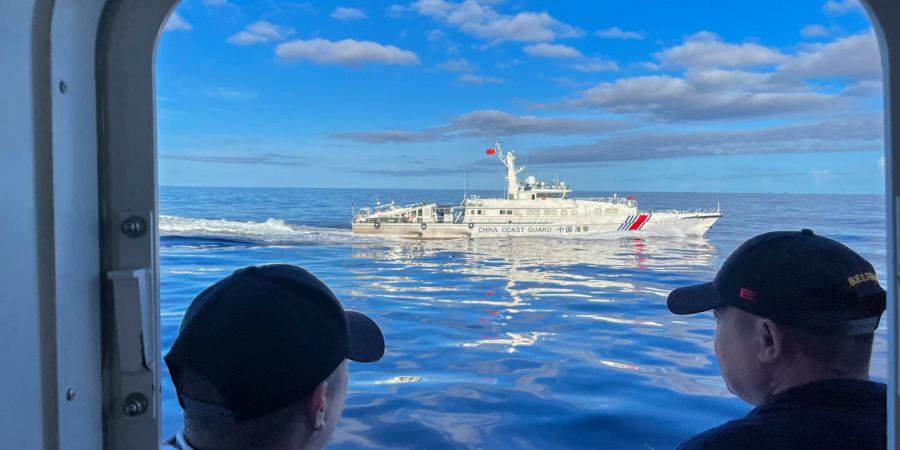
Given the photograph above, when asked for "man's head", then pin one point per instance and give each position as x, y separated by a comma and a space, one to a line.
791, 308
260, 360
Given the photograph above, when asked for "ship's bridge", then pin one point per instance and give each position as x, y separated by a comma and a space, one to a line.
533, 189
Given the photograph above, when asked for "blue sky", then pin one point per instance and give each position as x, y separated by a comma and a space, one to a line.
689, 95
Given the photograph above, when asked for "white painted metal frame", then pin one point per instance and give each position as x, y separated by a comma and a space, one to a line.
126, 61
885, 17
78, 160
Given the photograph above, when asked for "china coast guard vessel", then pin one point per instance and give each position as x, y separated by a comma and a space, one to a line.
532, 208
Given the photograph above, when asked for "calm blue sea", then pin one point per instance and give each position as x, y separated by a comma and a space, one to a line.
510, 343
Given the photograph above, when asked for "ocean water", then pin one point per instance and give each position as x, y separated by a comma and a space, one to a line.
505, 343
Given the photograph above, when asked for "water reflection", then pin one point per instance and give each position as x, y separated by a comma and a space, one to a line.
486, 308
541, 343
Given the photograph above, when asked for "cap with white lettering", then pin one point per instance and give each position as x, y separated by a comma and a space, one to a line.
796, 278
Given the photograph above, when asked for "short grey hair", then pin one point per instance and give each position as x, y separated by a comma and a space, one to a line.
842, 355
259, 433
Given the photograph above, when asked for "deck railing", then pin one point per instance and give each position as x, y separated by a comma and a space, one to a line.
708, 211
614, 200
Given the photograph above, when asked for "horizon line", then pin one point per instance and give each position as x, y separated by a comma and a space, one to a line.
500, 190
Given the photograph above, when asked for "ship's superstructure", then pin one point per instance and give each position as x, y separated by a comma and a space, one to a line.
529, 208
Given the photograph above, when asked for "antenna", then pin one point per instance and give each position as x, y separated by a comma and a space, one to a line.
466, 186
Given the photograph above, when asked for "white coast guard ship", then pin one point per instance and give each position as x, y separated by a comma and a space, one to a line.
532, 208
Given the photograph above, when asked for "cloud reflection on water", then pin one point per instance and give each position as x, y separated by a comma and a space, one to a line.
508, 307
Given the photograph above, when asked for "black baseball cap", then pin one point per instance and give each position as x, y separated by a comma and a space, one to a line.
796, 278
264, 337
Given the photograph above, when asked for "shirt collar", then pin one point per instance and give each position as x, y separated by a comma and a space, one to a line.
178, 441
835, 393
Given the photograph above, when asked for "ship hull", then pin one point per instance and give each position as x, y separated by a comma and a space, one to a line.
676, 224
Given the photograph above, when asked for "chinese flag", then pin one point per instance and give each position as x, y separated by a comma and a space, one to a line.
491, 151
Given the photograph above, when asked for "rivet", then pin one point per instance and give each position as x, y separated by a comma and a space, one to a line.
70, 394
134, 227
135, 404
63, 87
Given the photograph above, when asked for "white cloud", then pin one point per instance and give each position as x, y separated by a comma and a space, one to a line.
841, 134
492, 122
618, 33
864, 88
853, 56
438, 38
265, 159
395, 11
478, 79
839, 7
593, 65
489, 123
881, 163
480, 20
177, 23
705, 49
568, 82
456, 65
348, 52
723, 81
815, 30
348, 14
224, 93
259, 32
581, 63
384, 137
558, 51
216, 2
704, 94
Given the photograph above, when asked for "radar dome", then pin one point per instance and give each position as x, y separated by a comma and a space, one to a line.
530, 179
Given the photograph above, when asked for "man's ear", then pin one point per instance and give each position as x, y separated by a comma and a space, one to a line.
771, 340
315, 408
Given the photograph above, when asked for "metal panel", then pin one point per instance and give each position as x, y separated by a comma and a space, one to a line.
885, 15
21, 417
50, 264
128, 178
75, 223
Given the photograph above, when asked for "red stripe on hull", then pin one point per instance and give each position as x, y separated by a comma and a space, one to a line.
637, 223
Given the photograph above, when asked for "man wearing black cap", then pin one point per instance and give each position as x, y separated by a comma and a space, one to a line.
260, 361
795, 319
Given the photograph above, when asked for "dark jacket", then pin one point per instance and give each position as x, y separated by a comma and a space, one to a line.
829, 414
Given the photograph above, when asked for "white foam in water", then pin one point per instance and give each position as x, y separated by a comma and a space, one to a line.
186, 226
272, 231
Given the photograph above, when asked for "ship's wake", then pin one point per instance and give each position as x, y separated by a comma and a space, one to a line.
187, 231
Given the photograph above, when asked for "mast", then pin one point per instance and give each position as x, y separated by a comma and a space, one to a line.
512, 180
